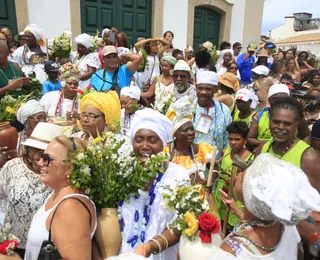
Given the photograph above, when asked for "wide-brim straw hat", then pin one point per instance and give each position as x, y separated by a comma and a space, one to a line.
229, 80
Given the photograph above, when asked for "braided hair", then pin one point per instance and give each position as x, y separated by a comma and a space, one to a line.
287, 103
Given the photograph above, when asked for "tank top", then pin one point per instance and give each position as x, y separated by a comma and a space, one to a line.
263, 125
246, 120
38, 230
293, 156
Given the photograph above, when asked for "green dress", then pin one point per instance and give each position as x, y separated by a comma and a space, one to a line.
246, 120
226, 166
7, 74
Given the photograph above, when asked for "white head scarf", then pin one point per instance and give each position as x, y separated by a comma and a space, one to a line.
223, 52
152, 120
275, 190
131, 92
30, 108
104, 31
34, 30
84, 39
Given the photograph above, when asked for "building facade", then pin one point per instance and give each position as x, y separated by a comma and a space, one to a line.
288, 35
192, 21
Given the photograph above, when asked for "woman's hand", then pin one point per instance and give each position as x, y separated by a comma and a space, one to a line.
6, 155
144, 249
14, 84
231, 203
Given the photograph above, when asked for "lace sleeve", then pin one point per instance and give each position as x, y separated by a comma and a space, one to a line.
93, 61
4, 173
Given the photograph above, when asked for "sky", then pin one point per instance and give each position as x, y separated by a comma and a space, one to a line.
275, 11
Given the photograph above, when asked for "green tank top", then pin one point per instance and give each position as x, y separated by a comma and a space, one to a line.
246, 120
293, 156
10, 73
263, 126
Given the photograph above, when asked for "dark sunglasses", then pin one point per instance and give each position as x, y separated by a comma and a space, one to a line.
285, 83
182, 76
233, 68
46, 158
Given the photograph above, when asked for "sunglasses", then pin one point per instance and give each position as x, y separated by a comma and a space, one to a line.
182, 76
46, 158
233, 68
285, 83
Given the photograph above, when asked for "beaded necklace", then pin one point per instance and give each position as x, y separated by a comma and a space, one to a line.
241, 228
285, 149
145, 218
58, 110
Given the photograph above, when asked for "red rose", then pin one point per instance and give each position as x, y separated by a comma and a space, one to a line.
208, 225
6, 244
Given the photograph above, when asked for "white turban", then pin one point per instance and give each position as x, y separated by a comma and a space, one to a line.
34, 30
105, 31
223, 52
131, 92
150, 119
207, 77
275, 190
278, 88
84, 39
30, 108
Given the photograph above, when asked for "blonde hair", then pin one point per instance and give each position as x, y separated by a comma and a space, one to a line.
265, 83
71, 144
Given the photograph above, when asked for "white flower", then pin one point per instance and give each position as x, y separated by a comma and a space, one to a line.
195, 199
81, 156
85, 169
68, 34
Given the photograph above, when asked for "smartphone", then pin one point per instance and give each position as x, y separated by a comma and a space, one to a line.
112, 36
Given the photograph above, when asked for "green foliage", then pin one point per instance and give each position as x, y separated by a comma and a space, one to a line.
144, 62
109, 172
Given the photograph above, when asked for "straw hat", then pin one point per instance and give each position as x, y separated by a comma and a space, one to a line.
229, 80
263, 53
182, 65
42, 135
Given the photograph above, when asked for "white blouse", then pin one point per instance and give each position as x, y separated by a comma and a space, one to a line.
159, 217
21, 195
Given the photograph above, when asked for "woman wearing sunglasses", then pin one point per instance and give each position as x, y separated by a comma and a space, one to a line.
99, 112
68, 213
21, 191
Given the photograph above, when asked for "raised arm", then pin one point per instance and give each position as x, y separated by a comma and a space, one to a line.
134, 61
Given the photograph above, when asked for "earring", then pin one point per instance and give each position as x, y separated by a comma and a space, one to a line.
26, 126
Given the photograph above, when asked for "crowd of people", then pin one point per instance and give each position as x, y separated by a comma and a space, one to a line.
261, 105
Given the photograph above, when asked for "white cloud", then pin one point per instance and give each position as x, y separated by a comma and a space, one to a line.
275, 11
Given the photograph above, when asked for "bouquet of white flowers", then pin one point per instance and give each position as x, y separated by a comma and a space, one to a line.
8, 241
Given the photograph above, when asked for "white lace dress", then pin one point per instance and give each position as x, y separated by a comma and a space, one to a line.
21, 195
159, 217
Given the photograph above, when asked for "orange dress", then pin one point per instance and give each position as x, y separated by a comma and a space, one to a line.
202, 157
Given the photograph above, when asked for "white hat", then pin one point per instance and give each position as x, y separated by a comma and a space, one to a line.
42, 135
182, 65
243, 94
278, 88
132, 91
207, 77
84, 39
261, 70
30, 108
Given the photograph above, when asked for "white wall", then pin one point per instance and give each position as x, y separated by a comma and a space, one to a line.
237, 20
175, 16
53, 17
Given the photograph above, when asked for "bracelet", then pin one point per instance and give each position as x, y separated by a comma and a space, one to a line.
158, 244
165, 240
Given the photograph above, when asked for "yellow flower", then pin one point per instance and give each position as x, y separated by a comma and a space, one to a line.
99, 156
97, 140
10, 110
192, 224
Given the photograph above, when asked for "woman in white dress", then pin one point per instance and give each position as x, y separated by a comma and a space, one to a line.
59, 103
147, 234
21, 192
277, 196
152, 70
226, 56
87, 61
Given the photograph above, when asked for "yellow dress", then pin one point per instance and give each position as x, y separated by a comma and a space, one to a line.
202, 157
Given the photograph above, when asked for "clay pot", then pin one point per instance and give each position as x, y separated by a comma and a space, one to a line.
108, 234
8, 136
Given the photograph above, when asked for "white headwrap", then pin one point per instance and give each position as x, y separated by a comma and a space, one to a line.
180, 113
278, 88
104, 31
84, 39
150, 119
34, 30
207, 77
223, 52
275, 190
131, 91
30, 108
